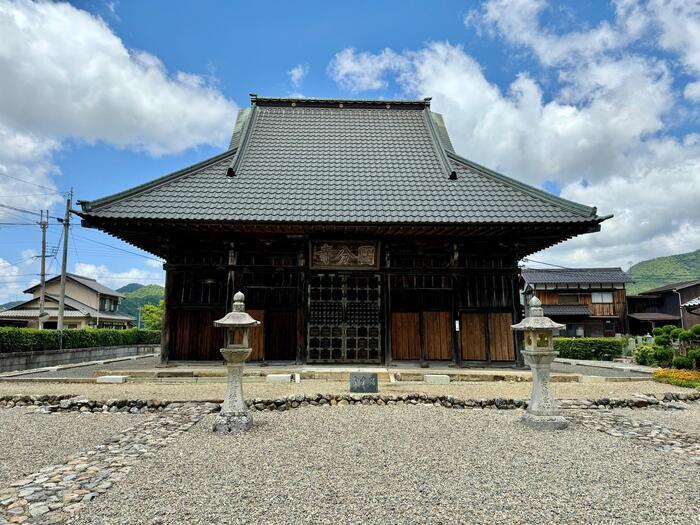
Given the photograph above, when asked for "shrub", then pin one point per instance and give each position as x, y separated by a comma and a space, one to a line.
662, 340
33, 340
675, 333
663, 356
696, 330
597, 348
685, 336
686, 378
682, 362
657, 331
643, 354
694, 356
668, 328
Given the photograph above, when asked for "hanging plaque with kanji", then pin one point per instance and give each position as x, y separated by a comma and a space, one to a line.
343, 254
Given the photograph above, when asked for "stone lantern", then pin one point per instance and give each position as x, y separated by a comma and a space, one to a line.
542, 411
234, 415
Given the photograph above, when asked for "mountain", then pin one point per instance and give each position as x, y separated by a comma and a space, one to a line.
131, 287
136, 295
664, 270
9, 305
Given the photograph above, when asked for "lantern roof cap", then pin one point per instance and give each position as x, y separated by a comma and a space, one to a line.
537, 320
238, 317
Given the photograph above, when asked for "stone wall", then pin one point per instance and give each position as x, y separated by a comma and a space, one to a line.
25, 360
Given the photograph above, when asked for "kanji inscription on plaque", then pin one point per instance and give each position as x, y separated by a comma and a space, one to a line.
344, 254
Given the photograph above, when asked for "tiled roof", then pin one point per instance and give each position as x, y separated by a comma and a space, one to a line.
73, 308
693, 303
672, 286
566, 309
85, 281
575, 276
654, 316
359, 163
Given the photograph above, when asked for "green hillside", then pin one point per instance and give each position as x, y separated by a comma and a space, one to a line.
664, 270
137, 295
9, 305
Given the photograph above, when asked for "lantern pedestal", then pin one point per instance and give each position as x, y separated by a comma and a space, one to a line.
234, 415
542, 411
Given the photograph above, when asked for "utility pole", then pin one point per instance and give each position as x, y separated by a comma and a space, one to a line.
64, 261
43, 223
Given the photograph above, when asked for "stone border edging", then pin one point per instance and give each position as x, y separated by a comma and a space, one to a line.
71, 402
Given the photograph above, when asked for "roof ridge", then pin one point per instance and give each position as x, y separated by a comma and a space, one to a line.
399, 103
247, 132
142, 188
437, 143
581, 209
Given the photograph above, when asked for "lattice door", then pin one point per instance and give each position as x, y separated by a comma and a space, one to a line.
344, 319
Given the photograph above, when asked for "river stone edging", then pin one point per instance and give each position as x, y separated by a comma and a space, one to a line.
55, 493
68, 402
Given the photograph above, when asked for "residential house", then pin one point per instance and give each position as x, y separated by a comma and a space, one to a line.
87, 304
355, 231
589, 301
663, 305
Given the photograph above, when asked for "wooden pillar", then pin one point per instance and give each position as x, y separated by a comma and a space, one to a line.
165, 334
302, 306
517, 317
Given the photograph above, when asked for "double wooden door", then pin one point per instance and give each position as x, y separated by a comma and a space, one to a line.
276, 337
487, 336
421, 335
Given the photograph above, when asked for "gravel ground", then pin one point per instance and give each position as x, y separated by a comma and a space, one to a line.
197, 391
414, 464
684, 420
30, 441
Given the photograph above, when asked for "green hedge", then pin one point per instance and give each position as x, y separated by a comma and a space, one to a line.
595, 348
33, 340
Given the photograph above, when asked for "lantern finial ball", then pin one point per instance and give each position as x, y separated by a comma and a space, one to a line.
238, 302
535, 302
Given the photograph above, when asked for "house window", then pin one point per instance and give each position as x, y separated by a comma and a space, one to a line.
572, 330
602, 297
568, 298
103, 304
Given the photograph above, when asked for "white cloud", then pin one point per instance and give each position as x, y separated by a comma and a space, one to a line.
297, 74
12, 282
602, 137
518, 22
365, 71
114, 280
66, 75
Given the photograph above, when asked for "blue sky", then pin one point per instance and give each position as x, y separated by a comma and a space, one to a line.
594, 100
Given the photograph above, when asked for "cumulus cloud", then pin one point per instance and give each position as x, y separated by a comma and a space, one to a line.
602, 137
113, 279
364, 71
13, 281
297, 74
66, 75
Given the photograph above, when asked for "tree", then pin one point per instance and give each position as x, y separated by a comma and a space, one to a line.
152, 316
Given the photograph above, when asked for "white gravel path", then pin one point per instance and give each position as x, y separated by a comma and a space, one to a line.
30, 441
684, 420
403, 464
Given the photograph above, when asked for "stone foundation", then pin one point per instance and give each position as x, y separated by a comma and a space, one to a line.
71, 402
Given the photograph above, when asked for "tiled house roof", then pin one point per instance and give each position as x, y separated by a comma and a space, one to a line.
575, 276
340, 161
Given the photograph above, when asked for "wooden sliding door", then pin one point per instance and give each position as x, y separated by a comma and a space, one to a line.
487, 336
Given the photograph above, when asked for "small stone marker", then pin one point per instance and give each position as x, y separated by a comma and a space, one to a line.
278, 378
111, 379
364, 382
436, 379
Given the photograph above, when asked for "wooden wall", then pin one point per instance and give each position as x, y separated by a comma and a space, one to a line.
487, 336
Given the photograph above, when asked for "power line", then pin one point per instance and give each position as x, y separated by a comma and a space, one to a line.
52, 190
117, 248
